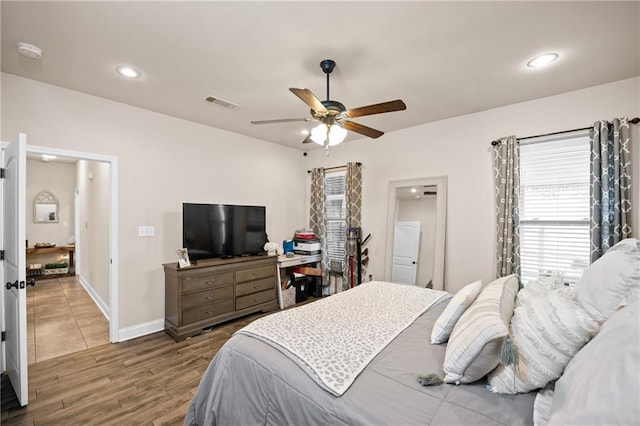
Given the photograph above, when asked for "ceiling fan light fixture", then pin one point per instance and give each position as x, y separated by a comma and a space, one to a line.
336, 135
333, 134
319, 134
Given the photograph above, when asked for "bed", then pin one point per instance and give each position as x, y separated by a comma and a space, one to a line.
253, 380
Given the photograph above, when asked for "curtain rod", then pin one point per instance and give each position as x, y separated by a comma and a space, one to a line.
635, 120
330, 169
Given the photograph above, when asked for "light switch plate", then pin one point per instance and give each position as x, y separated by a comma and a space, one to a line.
146, 231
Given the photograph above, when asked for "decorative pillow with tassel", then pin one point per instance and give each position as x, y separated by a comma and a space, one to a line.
474, 346
547, 333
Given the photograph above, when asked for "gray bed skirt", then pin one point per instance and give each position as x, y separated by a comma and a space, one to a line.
250, 383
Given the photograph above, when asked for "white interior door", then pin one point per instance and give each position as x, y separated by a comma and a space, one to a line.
15, 293
406, 240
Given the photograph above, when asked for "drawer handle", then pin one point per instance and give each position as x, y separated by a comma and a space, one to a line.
209, 297
209, 312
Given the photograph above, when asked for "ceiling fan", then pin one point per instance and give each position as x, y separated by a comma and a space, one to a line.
334, 117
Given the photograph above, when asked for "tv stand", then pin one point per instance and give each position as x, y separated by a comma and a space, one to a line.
217, 290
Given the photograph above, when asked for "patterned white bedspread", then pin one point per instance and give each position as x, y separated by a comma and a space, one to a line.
335, 338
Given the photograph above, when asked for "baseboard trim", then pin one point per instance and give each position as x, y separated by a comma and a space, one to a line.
140, 330
104, 308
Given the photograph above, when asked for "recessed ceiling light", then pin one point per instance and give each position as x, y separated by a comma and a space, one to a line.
414, 190
29, 50
128, 72
47, 157
542, 60
304, 132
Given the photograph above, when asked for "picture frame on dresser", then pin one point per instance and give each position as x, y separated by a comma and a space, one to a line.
183, 258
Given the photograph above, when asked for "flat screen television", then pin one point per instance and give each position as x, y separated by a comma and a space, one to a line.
222, 230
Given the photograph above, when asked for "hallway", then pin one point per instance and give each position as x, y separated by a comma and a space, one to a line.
62, 319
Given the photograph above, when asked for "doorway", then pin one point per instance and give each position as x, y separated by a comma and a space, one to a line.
422, 200
106, 174
67, 310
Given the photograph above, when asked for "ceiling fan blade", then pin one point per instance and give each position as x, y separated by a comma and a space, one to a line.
281, 120
390, 106
309, 98
307, 139
363, 130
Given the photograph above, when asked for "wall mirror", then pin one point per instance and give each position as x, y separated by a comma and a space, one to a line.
45, 208
416, 223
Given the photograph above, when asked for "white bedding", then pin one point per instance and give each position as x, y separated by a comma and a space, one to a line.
335, 347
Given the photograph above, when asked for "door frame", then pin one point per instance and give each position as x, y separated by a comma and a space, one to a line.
114, 329
440, 182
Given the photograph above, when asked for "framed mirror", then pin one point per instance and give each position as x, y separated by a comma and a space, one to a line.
416, 223
45, 208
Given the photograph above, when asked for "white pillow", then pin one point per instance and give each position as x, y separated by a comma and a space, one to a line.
600, 385
548, 332
474, 345
542, 407
611, 281
449, 317
537, 287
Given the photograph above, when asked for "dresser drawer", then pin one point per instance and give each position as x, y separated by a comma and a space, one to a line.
255, 286
255, 299
203, 282
244, 275
206, 297
207, 311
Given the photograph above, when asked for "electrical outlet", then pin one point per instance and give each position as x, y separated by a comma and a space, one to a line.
146, 231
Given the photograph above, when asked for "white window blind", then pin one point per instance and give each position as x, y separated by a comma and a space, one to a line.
335, 214
554, 208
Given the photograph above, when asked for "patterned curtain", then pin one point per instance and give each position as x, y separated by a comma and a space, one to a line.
610, 185
316, 217
353, 201
506, 172
354, 194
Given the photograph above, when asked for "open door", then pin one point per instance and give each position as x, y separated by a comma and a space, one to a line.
406, 241
14, 286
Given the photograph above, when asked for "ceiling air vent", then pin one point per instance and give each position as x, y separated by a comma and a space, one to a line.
221, 102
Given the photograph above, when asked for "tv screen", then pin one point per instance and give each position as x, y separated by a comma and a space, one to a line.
222, 230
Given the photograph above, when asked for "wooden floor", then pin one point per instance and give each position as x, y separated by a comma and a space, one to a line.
149, 380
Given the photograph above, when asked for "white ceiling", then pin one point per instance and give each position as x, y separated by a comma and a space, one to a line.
444, 59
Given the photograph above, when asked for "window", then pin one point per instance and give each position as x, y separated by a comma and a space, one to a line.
554, 207
335, 214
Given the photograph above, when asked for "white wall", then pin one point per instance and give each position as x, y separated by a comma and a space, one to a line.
460, 149
163, 161
59, 179
93, 181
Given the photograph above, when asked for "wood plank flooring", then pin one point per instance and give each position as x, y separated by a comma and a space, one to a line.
149, 381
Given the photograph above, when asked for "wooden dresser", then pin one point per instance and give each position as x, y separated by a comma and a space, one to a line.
217, 290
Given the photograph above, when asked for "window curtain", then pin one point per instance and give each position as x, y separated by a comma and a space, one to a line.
353, 201
506, 173
316, 217
610, 185
353, 208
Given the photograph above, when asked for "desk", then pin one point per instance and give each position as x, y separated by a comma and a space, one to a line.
56, 249
285, 262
